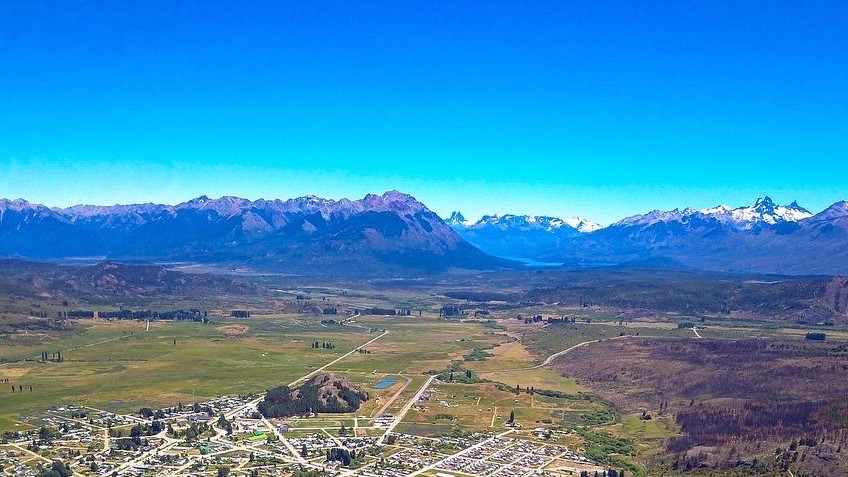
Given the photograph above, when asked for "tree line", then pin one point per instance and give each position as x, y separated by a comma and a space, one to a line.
192, 314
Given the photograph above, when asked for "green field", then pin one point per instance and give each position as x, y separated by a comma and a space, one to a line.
122, 366
106, 366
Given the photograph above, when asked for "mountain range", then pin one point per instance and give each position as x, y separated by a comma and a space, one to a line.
520, 236
394, 233
764, 238
388, 233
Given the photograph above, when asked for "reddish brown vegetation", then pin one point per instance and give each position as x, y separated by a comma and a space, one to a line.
734, 400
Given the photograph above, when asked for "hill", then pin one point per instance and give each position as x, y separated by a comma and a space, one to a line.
325, 392
108, 282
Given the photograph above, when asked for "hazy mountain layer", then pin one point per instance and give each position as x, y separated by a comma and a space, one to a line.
764, 237
385, 233
394, 233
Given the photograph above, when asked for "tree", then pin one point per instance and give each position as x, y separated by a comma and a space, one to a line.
223, 471
511, 417
57, 469
303, 451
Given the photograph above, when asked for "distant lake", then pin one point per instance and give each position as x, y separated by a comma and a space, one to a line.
535, 263
385, 382
570, 265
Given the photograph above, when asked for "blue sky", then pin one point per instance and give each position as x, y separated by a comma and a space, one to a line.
598, 109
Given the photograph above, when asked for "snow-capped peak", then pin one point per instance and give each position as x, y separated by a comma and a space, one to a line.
583, 225
506, 221
764, 211
456, 219
524, 222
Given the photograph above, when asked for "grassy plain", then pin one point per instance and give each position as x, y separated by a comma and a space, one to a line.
119, 366
122, 366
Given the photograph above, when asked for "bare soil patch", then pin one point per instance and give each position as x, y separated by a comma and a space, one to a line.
233, 330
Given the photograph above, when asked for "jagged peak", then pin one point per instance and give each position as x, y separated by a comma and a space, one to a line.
20, 205
764, 201
398, 196
794, 205
456, 218
392, 200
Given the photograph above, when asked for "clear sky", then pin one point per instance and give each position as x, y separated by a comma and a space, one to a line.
592, 108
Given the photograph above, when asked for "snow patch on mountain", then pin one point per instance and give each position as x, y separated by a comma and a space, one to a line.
763, 212
523, 222
658, 216
456, 219
583, 225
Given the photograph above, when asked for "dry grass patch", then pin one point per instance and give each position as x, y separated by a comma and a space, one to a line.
233, 330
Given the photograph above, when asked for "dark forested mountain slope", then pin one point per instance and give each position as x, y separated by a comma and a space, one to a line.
389, 232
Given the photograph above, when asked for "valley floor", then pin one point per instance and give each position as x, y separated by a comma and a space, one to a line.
457, 396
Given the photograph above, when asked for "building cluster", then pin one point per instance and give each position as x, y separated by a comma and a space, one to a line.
515, 457
201, 439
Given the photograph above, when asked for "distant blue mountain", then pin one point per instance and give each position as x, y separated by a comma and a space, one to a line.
764, 237
379, 234
520, 236
394, 233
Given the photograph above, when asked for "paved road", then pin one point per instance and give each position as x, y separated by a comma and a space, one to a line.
251, 404
322, 368
393, 398
406, 409
550, 359
283, 439
307, 376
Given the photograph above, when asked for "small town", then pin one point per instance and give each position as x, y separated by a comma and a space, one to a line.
229, 437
